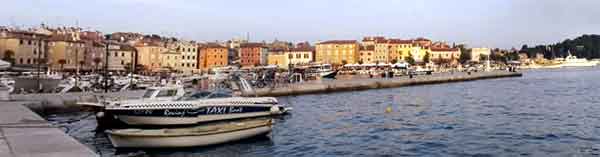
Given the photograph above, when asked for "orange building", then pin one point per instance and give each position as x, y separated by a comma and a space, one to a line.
252, 54
211, 56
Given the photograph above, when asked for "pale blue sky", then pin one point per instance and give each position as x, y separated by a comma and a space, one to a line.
491, 23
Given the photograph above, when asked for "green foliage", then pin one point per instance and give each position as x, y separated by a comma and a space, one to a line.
585, 46
483, 57
426, 57
394, 61
410, 60
465, 55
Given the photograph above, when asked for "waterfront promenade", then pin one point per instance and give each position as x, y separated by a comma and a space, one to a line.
340, 85
25, 134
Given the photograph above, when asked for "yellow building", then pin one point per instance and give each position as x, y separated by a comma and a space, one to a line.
399, 49
121, 57
149, 55
278, 57
189, 53
66, 54
23, 48
367, 54
170, 60
337, 52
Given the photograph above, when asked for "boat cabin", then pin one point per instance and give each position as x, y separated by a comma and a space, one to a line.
164, 93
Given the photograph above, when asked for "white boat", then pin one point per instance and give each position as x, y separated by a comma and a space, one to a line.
9, 83
573, 61
203, 135
165, 106
323, 70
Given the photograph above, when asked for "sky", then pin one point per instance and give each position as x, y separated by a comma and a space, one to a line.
477, 23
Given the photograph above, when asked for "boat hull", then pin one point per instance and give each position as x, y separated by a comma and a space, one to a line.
119, 141
153, 120
193, 115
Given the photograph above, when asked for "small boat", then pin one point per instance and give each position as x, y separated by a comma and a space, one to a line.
203, 135
323, 70
573, 61
165, 106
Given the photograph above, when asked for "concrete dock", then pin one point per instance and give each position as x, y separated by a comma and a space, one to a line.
26, 134
376, 83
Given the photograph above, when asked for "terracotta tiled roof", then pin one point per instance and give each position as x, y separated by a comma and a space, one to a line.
443, 49
212, 45
249, 45
367, 48
302, 49
422, 39
399, 41
339, 42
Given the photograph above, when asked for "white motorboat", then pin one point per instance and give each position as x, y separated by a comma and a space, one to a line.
202, 135
158, 107
573, 61
9, 83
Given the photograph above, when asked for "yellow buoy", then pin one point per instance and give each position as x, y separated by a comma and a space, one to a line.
388, 109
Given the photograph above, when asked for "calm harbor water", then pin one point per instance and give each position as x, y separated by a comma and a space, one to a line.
544, 113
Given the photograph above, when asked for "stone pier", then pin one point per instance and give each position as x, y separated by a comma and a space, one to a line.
25, 134
326, 86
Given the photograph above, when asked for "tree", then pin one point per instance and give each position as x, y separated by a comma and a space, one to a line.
426, 57
483, 57
62, 63
410, 60
394, 61
9, 56
344, 62
465, 55
360, 61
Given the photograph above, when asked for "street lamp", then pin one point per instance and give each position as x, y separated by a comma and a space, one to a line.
106, 67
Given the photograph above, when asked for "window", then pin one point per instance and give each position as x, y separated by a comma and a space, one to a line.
28, 61
298, 56
122, 54
149, 93
166, 93
34, 52
305, 55
21, 42
122, 63
290, 56
29, 42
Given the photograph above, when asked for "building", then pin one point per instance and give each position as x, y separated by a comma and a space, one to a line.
253, 54
476, 53
189, 53
445, 55
95, 53
23, 49
278, 57
121, 57
399, 50
149, 55
300, 55
66, 53
170, 60
367, 54
212, 55
337, 52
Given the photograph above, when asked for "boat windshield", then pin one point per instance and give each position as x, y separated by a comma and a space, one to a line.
204, 95
149, 93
